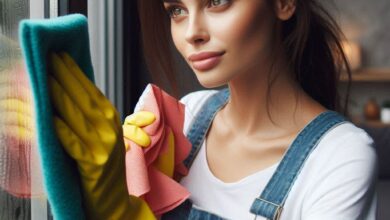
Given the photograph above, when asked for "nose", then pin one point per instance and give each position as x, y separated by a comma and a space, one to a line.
197, 30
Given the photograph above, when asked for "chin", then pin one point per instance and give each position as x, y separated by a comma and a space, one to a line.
211, 82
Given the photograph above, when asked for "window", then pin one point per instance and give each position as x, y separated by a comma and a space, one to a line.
15, 138
21, 189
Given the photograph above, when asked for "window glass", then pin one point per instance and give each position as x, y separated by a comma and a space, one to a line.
20, 179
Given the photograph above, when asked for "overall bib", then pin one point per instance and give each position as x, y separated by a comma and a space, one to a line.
270, 203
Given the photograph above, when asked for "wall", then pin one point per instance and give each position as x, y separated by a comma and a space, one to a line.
368, 23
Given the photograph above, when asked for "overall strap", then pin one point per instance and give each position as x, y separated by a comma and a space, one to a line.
269, 204
202, 121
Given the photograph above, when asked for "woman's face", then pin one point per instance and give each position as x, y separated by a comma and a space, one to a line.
239, 33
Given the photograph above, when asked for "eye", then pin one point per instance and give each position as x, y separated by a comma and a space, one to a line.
174, 11
215, 3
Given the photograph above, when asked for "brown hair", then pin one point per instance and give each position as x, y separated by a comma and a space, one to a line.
157, 41
311, 39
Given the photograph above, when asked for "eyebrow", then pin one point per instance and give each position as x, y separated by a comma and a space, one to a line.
180, 1
172, 1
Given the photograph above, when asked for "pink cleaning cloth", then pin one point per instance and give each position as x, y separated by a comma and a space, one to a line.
161, 192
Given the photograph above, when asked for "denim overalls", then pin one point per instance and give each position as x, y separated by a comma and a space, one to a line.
270, 203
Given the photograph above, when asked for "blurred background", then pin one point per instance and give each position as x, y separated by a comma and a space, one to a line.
121, 74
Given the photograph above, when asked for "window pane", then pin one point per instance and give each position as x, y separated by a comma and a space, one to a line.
18, 163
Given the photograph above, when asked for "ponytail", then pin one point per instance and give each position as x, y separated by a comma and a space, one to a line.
312, 41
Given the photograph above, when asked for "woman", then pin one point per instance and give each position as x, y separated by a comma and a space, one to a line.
281, 61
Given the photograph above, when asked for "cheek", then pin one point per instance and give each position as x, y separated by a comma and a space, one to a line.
247, 30
178, 39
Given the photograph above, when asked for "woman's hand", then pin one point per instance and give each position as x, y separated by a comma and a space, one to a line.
132, 130
89, 129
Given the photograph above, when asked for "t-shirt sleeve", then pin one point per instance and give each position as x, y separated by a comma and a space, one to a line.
193, 103
345, 188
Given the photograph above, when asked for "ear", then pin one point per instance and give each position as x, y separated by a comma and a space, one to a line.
285, 9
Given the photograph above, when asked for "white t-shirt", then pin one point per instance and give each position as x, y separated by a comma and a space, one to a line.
336, 182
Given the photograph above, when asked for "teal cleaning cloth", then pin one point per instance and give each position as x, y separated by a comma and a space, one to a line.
38, 38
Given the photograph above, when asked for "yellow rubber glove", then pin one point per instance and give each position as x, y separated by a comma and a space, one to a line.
166, 161
132, 130
16, 115
89, 129
132, 127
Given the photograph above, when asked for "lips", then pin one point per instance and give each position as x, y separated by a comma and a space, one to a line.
205, 60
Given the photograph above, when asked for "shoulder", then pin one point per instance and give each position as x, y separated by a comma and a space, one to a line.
194, 99
348, 140
344, 149
341, 173
193, 102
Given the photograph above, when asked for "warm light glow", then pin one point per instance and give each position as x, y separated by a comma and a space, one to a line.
353, 53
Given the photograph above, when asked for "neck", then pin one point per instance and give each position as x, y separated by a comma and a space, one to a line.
255, 107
